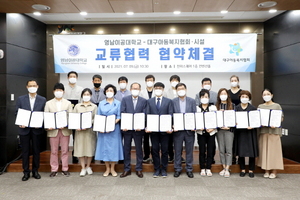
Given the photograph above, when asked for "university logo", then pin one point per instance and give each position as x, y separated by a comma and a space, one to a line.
235, 48
73, 50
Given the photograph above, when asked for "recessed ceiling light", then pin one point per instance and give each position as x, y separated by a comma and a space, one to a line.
100, 32
246, 31
130, 13
14, 15
272, 11
209, 29
296, 12
267, 4
176, 12
172, 29
224, 11
40, 7
37, 13
136, 30
83, 13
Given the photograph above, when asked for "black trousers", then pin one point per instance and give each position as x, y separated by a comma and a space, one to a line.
160, 144
30, 140
146, 145
207, 148
171, 146
251, 163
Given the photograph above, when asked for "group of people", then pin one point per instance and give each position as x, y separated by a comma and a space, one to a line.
111, 147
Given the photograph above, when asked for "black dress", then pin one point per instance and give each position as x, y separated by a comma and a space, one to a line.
235, 97
246, 140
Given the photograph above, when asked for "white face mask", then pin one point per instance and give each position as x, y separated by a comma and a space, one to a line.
135, 93
158, 92
204, 100
234, 84
223, 97
149, 83
58, 94
86, 98
207, 87
245, 100
267, 98
123, 85
72, 80
181, 93
109, 94
174, 83
32, 89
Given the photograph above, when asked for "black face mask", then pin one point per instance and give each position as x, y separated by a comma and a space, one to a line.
97, 85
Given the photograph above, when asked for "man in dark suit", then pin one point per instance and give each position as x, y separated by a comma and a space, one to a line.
133, 104
183, 104
32, 102
160, 105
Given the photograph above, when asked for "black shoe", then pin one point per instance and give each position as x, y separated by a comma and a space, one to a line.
36, 175
53, 174
177, 174
26, 177
75, 160
65, 173
242, 174
251, 174
213, 162
190, 174
170, 160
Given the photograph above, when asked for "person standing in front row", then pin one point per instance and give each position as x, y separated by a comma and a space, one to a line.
33, 102
133, 104
61, 136
225, 134
246, 139
147, 93
109, 144
159, 105
85, 141
97, 91
183, 104
270, 151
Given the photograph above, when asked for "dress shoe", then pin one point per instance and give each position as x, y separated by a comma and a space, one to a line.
190, 174
177, 174
53, 174
114, 174
106, 173
65, 173
139, 174
36, 175
26, 177
251, 174
242, 174
125, 173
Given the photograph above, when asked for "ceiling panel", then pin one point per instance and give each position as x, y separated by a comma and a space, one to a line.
137, 6
93, 6
173, 5
212, 6
59, 6
20, 6
288, 5
245, 5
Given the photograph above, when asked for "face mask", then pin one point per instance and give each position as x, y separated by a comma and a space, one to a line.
122, 85
32, 89
97, 85
234, 84
58, 94
223, 97
158, 92
245, 100
207, 87
135, 93
181, 93
149, 83
204, 100
267, 98
72, 80
86, 98
174, 83
109, 94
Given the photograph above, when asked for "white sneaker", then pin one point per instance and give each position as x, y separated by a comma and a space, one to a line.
208, 172
82, 173
89, 171
202, 173
222, 172
227, 174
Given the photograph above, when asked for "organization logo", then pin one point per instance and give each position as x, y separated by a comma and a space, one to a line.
73, 50
235, 48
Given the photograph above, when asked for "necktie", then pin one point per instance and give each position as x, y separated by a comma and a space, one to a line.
134, 103
158, 104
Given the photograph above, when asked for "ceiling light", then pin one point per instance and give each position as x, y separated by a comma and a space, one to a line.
130, 13
37, 13
246, 31
267, 4
209, 29
224, 11
176, 12
136, 30
14, 15
296, 12
40, 7
272, 11
83, 13
172, 29
100, 32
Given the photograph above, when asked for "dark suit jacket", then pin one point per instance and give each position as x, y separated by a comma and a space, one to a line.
189, 108
127, 105
24, 103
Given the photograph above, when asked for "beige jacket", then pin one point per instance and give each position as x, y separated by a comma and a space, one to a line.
51, 107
